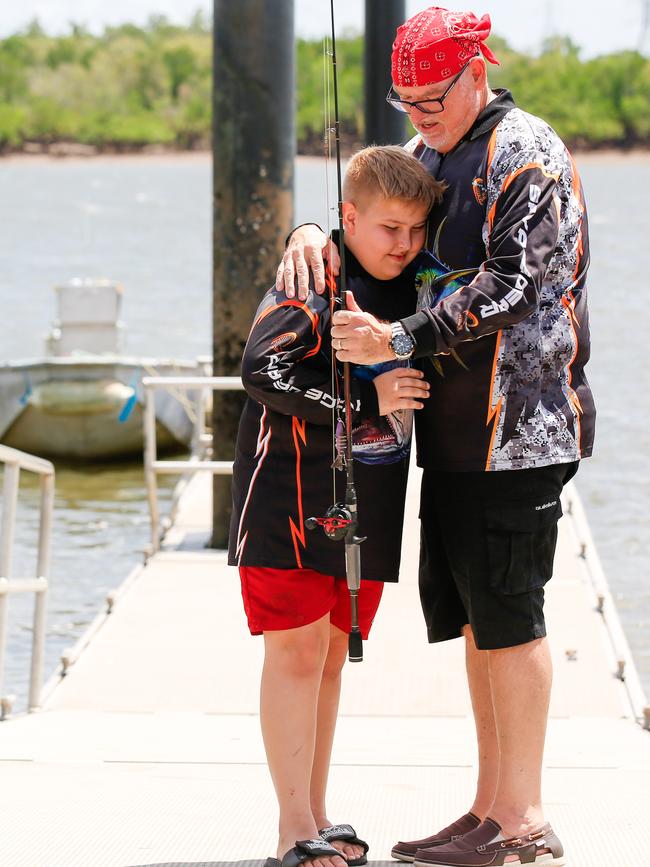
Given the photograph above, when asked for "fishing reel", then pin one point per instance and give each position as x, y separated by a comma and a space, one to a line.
336, 523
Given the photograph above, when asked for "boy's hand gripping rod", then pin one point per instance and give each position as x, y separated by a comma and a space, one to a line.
340, 521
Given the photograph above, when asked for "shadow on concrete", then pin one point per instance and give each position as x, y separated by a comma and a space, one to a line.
255, 863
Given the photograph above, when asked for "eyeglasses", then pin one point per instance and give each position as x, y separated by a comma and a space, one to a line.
426, 106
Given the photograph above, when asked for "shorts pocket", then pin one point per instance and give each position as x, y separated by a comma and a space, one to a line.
521, 539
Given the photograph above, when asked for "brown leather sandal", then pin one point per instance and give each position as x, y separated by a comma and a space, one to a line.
486, 847
405, 851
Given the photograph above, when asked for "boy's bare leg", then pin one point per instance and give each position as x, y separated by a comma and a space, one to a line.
291, 679
328, 706
478, 678
521, 679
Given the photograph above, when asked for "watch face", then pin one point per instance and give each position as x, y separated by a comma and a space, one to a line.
402, 345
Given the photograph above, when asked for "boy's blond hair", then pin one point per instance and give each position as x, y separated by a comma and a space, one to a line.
389, 171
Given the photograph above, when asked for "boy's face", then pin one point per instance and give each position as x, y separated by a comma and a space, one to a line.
385, 235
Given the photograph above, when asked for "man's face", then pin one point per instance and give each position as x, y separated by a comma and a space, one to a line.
442, 131
385, 234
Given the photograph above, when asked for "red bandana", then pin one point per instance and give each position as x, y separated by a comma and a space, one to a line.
436, 44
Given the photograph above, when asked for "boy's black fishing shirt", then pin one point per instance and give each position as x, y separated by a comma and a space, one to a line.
282, 473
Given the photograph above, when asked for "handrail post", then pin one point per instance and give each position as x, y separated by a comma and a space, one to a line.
9, 500
45, 527
42, 569
14, 461
3, 631
38, 647
199, 422
197, 449
197, 462
150, 454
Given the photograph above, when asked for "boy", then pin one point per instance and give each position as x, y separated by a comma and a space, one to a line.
293, 581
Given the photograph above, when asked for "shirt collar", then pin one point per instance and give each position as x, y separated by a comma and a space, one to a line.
493, 112
354, 268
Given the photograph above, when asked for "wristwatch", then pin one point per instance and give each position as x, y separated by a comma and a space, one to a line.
402, 345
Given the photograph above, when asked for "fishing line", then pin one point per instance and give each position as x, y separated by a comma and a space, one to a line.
340, 522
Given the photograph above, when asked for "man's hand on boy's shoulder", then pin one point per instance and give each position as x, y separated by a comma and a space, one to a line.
306, 251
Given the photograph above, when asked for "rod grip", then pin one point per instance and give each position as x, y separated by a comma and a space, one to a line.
355, 645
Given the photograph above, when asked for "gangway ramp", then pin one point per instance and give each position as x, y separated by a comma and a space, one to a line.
148, 752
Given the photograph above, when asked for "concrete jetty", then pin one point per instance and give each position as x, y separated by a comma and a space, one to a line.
148, 752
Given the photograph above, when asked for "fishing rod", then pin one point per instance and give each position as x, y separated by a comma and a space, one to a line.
341, 521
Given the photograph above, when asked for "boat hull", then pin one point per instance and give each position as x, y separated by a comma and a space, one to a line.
91, 408
93, 437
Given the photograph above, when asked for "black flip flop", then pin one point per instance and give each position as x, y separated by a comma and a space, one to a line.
303, 851
346, 834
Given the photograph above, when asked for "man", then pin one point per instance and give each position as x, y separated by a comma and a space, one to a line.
510, 412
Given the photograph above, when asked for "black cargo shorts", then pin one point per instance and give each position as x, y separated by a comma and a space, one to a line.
487, 547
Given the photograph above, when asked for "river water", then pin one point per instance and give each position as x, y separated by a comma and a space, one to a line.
146, 223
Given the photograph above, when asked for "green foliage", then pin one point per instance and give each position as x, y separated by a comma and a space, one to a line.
310, 84
133, 86
34, 29
15, 60
200, 22
314, 75
47, 120
604, 101
65, 50
129, 87
132, 129
181, 65
11, 126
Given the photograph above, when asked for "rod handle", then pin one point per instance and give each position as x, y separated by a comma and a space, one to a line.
355, 645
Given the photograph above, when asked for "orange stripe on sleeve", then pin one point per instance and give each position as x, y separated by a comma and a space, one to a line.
491, 148
493, 413
313, 318
510, 179
569, 307
299, 430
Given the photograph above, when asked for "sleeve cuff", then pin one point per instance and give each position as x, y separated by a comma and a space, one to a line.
420, 329
288, 238
368, 398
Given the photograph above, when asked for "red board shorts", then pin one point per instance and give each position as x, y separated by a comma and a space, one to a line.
287, 598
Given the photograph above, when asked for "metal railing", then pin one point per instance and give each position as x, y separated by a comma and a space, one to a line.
625, 669
14, 461
201, 440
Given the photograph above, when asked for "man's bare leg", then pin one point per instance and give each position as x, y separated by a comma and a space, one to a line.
520, 679
478, 678
289, 697
328, 705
